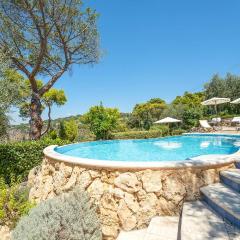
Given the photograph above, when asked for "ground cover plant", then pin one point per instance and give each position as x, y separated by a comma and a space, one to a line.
13, 203
69, 216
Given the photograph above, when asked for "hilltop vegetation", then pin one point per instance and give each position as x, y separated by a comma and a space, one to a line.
104, 123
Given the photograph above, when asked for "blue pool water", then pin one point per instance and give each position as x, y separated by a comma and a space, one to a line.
159, 149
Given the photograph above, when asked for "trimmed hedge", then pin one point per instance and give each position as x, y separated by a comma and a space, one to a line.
178, 131
138, 134
145, 134
17, 159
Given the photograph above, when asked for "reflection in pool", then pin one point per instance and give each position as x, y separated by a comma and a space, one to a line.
168, 144
205, 144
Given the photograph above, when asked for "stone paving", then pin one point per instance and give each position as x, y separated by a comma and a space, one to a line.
233, 232
200, 223
162, 228
132, 235
166, 228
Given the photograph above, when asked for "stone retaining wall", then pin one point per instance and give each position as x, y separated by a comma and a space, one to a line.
125, 199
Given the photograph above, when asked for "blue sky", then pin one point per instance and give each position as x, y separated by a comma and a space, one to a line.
154, 48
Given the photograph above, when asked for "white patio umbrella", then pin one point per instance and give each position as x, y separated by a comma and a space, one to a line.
236, 101
168, 120
215, 101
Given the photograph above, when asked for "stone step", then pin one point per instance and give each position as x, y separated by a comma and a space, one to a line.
162, 228
132, 235
224, 200
237, 164
231, 178
199, 222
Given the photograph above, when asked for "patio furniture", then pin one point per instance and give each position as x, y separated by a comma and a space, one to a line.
236, 101
216, 120
236, 120
205, 125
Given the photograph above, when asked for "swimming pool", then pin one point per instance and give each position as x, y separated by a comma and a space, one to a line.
176, 148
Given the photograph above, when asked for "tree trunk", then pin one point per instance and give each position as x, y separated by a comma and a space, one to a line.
36, 122
49, 120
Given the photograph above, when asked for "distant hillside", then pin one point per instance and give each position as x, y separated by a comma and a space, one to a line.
20, 132
24, 126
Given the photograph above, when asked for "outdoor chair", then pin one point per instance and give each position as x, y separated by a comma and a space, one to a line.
205, 125
216, 120
236, 120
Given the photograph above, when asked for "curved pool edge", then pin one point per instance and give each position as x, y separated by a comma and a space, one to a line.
50, 153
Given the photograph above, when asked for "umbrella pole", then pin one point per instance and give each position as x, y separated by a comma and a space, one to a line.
216, 111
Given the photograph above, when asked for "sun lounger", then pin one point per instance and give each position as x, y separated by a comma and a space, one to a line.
237, 121
216, 120
205, 124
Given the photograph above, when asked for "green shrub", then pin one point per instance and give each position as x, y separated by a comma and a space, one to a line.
13, 203
137, 134
84, 133
162, 132
178, 131
191, 117
162, 127
52, 134
102, 121
68, 130
69, 216
17, 159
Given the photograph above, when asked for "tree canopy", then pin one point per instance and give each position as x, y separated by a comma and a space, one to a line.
15, 91
102, 120
189, 99
10, 85
144, 114
228, 86
45, 38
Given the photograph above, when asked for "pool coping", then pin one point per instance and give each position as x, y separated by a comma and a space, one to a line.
207, 161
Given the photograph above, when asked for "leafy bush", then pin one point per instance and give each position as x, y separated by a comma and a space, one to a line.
52, 134
144, 114
162, 127
69, 216
191, 117
17, 159
178, 131
138, 134
84, 133
13, 203
122, 126
102, 121
158, 132
68, 130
